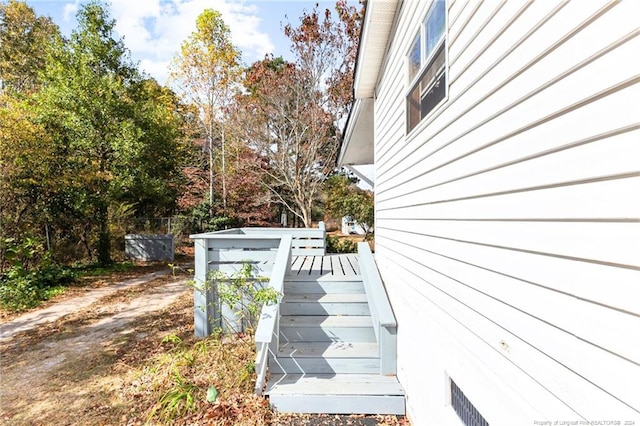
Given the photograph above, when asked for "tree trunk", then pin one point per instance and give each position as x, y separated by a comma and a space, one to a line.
210, 172
104, 237
224, 173
85, 242
306, 218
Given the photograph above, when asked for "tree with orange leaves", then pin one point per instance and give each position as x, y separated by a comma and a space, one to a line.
293, 110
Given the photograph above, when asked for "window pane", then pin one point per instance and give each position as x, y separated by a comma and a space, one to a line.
413, 107
414, 58
434, 25
433, 70
433, 95
427, 60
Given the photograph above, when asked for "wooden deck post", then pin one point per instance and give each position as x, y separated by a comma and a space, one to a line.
387, 345
204, 299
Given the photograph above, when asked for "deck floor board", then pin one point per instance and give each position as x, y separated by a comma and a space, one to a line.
329, 266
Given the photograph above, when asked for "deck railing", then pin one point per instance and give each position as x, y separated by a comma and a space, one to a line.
267, 335
227, 254
305, 241
228, 250
384, 322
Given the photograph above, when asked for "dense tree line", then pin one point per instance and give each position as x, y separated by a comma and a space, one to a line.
88, 141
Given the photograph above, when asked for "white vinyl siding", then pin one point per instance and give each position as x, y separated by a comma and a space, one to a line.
508, 220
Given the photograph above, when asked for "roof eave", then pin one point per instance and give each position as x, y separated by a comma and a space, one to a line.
357, 143
376, 30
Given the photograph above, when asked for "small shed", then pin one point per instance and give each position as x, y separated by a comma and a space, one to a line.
149, 248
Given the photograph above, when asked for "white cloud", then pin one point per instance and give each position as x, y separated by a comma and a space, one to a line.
70, 10
154, 29
156, 69
244, 22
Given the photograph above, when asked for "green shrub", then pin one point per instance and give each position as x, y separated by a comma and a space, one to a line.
219, 223
244, 293
21, 289
30, 276
340, 245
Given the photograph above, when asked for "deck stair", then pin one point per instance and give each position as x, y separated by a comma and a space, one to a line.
330, 358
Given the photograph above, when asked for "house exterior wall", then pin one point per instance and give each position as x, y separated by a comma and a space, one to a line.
507, 221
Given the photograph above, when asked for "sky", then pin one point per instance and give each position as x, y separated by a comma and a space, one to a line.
154, 29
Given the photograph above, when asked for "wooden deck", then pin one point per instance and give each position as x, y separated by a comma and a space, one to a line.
327, 267
329, 344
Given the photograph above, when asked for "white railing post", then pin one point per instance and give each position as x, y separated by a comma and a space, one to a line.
323, 229
204, 299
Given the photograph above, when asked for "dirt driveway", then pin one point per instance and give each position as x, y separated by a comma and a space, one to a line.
57, 364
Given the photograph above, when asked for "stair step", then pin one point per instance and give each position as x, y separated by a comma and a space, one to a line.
322, 278
326, 321
325, 304
336, 394
325, 298
326, 287
326, 358
319, 365
334, 384
329, 350
327, 334
322, 328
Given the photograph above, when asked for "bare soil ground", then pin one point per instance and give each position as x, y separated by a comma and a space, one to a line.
86, 284
118, 360
65, 372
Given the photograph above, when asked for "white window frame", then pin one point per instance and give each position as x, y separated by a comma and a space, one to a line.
428, 61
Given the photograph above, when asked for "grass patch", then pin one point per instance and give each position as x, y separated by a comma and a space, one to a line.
210, 379
197, 381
